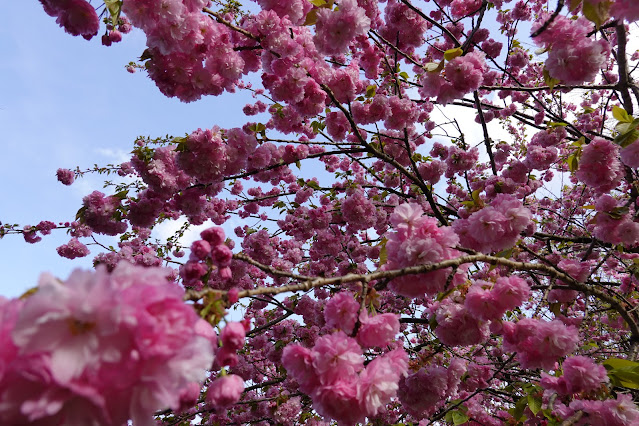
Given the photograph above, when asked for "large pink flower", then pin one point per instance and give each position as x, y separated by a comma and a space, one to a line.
103, 348
336, 356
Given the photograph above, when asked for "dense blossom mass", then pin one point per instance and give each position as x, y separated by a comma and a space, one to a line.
434, 221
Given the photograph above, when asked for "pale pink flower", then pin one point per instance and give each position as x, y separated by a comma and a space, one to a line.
510, 292
378, 330
481, 302
582, 374
539, 344
625, 9
379, 381
341, 311
298, 362
339, 400
65, 176
233, 336
336, 356
630, 155
225, 391
83, 346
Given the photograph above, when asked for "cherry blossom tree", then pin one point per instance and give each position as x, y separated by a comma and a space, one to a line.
440, 223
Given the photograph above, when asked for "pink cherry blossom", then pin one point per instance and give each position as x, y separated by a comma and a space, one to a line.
225, 391
377, 330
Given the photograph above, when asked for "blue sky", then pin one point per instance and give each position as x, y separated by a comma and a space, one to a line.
64, 102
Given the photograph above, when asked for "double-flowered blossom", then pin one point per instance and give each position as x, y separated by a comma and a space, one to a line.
599, 165
74, 248
461, 75
456, 326
620, 411
100, 348
625, 9
341, 311
417, 240
225, 391
335, 30
538, 343
103, 213
486, 303
495, 227
77, 17
422, 391
573, 58
295, 10
581, 374
65, 176
332, 373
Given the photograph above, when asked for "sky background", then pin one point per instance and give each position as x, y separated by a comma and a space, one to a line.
67, 102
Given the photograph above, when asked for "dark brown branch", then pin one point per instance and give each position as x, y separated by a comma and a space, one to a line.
622, 65
487, 140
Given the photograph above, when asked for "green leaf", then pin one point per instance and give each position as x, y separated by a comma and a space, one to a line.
318, 3
146, 55
121, 195
80, 214
596, 13
615, 363
518, 411
114, 7
627, 133
573, 163
383, 254
623, 372
508, 253
627, 139
550, 81
311, 17
434, 66
574, 4
534, 403
553, 124
579, 142
621, 114
371, 91
475, 196
451, 54
458, 417
312, 184
619, 212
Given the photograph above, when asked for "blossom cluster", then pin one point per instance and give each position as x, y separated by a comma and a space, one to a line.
207, 253
332, 372
417, 240
574, 58
495, 227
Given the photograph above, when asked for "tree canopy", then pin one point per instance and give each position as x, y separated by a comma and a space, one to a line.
439, 218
